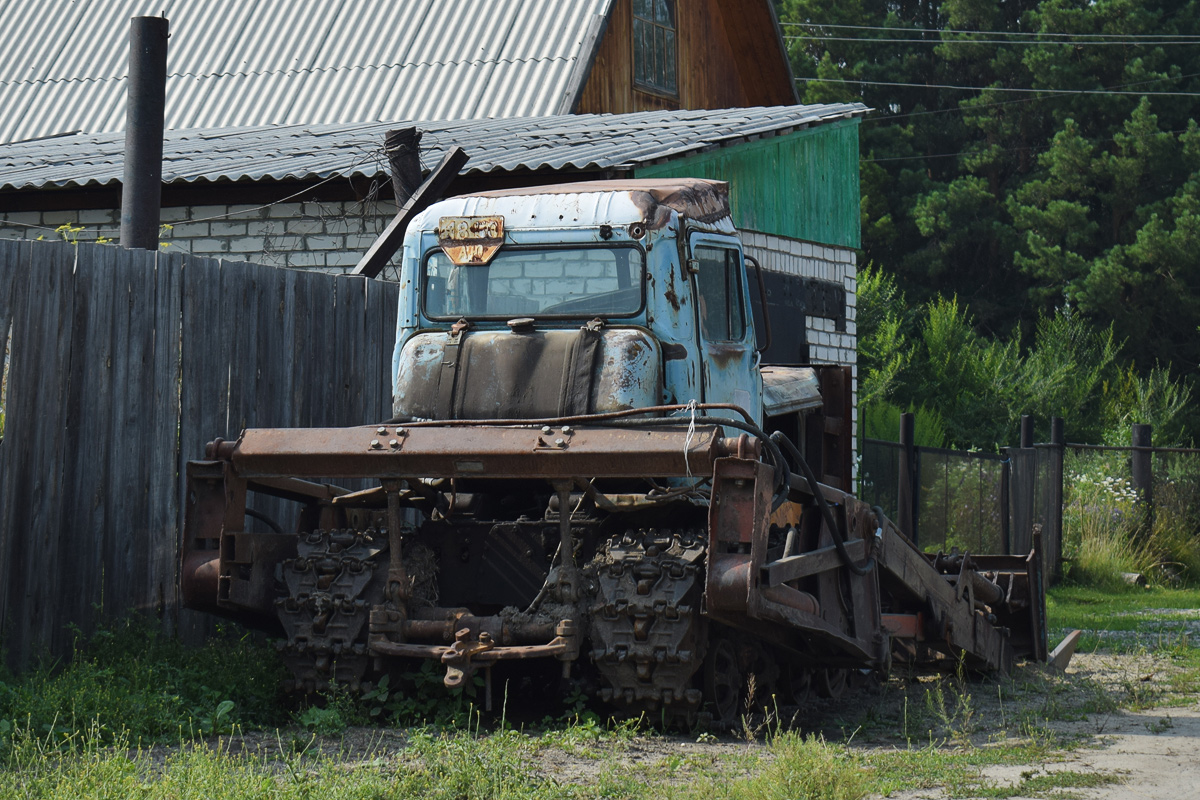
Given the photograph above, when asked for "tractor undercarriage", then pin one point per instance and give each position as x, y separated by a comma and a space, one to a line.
658, 563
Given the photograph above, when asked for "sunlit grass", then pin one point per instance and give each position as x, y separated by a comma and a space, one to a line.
137, 716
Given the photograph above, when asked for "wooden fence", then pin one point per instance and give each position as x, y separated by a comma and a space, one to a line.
122, 365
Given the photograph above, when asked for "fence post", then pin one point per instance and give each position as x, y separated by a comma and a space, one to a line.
1005, 501
141, 188
1026, 430
1058, 442
1142, 473
906, 495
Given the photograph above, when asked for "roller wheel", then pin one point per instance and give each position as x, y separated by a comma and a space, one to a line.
799, 685
831, 682
723, 681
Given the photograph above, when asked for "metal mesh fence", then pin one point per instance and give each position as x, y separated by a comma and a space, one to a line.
879, 475
961, 501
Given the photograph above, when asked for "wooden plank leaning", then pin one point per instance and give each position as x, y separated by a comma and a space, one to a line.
427, 193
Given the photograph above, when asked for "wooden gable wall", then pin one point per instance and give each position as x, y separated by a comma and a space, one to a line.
803, 185
729, 56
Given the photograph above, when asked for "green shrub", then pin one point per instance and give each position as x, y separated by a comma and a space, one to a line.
1176, 526
131, 681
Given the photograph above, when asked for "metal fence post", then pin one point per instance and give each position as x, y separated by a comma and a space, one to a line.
1005, 507
1142, 473
906, 495
141, 188
1026, 430
1058, 441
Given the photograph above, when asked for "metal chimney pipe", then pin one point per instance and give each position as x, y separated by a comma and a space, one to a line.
141, 189
404, 157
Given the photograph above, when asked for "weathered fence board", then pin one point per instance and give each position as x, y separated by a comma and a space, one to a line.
163, 499
40, 359
123, 365
14, 258
92, 396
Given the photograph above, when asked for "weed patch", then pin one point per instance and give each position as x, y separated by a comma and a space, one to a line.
132, 682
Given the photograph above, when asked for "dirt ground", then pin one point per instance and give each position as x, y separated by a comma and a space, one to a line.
1151, 753
1155, 753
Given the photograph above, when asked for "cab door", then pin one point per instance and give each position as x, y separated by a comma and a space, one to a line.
729, 360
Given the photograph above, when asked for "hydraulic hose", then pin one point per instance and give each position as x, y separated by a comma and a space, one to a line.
835, 530
263, 518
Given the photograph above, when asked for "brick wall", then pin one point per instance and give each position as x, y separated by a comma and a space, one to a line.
329, 237
837, 265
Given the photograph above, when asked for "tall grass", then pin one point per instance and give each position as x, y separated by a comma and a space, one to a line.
1108, 533
132, 683
454, 765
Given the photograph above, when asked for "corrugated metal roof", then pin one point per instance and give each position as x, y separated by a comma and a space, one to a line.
304, 152
255, 62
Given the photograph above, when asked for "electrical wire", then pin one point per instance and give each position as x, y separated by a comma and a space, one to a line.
998, 103
1148, 36
999, 88
1008, 43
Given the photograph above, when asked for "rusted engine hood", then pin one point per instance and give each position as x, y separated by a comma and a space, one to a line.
527, 375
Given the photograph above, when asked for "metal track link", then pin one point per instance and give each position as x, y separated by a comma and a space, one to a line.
647, 636
328, 601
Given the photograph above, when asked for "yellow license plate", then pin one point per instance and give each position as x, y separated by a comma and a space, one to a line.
470, 240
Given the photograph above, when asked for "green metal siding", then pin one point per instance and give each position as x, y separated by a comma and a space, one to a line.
803, 185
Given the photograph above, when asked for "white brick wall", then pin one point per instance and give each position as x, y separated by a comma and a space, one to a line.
835, 264
330, 237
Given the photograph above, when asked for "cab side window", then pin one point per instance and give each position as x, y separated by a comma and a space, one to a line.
719, 285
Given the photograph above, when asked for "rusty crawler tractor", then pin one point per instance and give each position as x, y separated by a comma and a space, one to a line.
589, 469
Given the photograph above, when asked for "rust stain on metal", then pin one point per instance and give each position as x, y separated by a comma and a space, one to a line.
670, 294
674, 352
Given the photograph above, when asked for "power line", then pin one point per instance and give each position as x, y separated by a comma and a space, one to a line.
983, 41
1089, 139
981, 106
999, 88
1130, 36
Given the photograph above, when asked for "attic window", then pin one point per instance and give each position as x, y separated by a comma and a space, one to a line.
654, 46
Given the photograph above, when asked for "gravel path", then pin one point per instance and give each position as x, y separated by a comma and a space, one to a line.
1156, 753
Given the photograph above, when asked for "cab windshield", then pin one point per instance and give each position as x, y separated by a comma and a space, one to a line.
537, 282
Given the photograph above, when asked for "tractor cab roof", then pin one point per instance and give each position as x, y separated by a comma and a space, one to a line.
649, 201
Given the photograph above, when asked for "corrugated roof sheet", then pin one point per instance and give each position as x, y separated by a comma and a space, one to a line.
281, 62
305, 152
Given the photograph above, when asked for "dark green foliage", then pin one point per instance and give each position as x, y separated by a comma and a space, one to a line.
1082, 194
970, 390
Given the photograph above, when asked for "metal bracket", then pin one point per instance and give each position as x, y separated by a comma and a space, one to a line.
457, 657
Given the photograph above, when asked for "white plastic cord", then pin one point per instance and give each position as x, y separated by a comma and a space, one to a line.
691, 432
